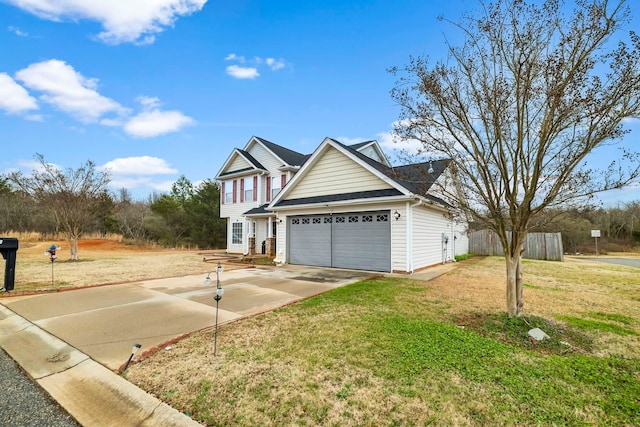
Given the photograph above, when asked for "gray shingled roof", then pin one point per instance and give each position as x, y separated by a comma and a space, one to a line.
251, 159
414, 177
290, 157
260, 210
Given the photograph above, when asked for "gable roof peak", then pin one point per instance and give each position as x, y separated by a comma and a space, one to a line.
288, 156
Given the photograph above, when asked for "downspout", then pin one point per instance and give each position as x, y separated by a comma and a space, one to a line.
453, 237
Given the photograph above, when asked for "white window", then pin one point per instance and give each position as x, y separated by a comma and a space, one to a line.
236, 233
228, 196
248, 189
276, 183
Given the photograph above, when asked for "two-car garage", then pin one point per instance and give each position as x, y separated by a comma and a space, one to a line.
354, 240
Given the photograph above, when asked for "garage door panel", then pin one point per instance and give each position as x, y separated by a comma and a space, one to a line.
309, 242
362, 241
359, 241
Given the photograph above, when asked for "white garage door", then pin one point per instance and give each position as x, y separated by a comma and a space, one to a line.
355, 240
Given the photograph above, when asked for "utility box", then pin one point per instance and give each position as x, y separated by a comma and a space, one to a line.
9, 248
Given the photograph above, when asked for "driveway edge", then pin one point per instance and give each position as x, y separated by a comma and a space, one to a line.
88, 391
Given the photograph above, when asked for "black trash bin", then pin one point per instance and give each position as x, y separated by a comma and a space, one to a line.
8, 248
264, 247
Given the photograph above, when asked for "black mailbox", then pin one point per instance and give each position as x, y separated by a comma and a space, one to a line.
9, 247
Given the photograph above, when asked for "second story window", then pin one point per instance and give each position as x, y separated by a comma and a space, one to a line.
228, 195
248, 189
276, 186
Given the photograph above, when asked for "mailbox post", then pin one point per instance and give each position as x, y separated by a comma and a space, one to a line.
595, 234
51, 253
8, 248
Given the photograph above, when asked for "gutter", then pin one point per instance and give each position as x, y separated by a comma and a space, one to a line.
338, 203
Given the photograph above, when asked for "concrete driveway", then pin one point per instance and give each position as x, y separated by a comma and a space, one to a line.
104, 322
629, 262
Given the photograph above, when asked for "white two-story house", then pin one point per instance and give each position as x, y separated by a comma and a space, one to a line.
341, 206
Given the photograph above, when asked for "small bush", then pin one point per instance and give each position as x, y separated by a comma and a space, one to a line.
463, 257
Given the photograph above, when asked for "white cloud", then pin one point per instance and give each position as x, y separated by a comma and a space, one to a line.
149, 102
136, 166
234, 57
17, 31
71, 92
242, 72
275, 64
13, 97
123, 21
68, 90
350, 141
390, 141
153, 123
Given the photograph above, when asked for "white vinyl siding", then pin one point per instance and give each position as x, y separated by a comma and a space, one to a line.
428, 227
238, 164
372, 154
399, 239
335, 173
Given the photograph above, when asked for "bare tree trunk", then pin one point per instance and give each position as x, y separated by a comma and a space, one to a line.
519, 286
515, 300
72, 240
512, 293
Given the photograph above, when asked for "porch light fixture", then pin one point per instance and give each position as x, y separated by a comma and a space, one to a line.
396, 215
430, 167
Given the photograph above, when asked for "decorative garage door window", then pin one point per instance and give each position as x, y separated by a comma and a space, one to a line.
354, 240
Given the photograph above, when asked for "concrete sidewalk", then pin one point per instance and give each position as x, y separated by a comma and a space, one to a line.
72, 343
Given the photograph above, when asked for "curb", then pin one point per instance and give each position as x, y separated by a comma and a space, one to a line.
88, 391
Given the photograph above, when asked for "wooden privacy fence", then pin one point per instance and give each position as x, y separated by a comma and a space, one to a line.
546, 246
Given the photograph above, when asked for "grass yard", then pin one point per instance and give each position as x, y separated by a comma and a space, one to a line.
101, 261
394, 351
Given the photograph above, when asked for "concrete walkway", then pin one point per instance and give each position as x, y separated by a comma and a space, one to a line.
72, 343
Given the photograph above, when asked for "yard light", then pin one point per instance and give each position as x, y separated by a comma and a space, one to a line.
218, 297
134, 350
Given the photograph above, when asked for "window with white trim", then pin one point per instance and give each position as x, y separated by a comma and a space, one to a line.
248, 189
236, 233
228, 194
276, 186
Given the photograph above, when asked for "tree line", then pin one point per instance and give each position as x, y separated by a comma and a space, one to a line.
76, 202
619, 227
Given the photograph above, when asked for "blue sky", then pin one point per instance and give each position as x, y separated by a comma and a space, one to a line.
156, 89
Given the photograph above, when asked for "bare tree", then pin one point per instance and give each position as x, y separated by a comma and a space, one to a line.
518, 107
72, 196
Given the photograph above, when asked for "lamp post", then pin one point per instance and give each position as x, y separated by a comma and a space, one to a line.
218, 297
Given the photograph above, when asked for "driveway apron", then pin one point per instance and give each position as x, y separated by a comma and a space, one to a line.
104, 322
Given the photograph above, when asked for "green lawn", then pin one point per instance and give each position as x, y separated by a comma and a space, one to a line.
401, 352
